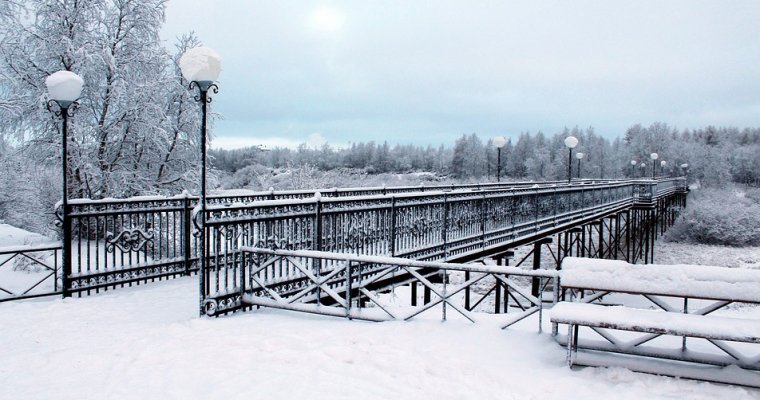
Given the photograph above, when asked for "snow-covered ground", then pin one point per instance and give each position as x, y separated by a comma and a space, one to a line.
148, 343
12, 236
702, 254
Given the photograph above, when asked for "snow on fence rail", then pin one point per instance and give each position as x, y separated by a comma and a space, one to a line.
429, 226
368, 287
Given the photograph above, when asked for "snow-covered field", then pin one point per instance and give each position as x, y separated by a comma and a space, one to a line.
701, 254
147, 342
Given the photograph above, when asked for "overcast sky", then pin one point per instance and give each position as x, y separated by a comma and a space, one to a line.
426, 72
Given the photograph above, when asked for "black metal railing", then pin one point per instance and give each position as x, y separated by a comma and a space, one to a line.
124, 242
30, 271
118, 243
373, 288
429, 226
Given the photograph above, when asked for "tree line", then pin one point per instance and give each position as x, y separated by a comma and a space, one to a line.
711, 155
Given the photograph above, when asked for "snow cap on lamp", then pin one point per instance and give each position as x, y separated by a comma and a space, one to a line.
579, 156
654, 156
571, 142
200, 64
64, 87
634, 162
499, 141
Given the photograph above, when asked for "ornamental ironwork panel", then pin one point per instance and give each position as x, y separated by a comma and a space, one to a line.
129, 240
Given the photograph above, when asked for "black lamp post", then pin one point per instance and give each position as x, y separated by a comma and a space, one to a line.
64, 88
654, 157
633, 168
579, 156
570, 142
201, 67
663, 163
499, 142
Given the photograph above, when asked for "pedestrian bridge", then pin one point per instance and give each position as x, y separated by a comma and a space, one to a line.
347, 248
290, 252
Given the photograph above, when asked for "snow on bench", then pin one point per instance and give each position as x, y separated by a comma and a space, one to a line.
720, 285
661, 322
692, 281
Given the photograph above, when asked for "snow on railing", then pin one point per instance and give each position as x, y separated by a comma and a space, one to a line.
370, 287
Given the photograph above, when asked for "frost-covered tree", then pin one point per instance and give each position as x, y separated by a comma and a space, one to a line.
538, 161
469, 159
136, 125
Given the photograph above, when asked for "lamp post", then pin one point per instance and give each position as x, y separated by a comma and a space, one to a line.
654, 158
499, 142
633, 168
201, 67
663, 163
570, 142
64, 88
684, 168
579, 156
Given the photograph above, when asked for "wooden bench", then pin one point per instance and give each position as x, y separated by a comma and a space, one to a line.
683, 297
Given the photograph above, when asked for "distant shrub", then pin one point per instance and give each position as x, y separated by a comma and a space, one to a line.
719, 217
753, 194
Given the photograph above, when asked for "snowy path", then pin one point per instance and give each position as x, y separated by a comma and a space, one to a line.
148, 343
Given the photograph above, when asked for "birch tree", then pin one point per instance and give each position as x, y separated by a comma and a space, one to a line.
134, 132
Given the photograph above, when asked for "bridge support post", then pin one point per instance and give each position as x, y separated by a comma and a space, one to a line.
583, 241
507, 256
616, 241
502, 260
633, 235
627, 234
575, 235
414, 294
648, 231
535, 285
497, 290
467, 292
600, 245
